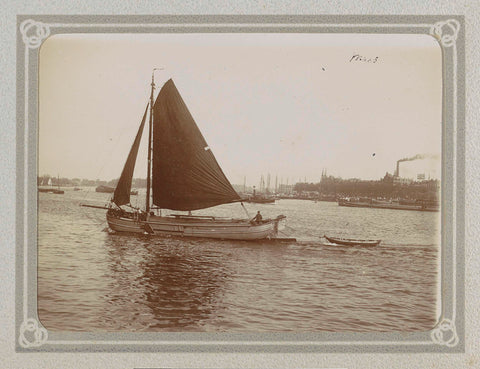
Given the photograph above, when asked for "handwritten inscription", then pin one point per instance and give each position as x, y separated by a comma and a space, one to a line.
360, 58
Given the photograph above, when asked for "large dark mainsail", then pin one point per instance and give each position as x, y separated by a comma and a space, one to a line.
121, 196
186, 175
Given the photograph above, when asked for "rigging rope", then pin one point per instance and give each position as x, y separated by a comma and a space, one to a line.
246, 211
97, 220
305, 232
288, 234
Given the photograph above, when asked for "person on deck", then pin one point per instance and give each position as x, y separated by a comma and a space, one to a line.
257, 218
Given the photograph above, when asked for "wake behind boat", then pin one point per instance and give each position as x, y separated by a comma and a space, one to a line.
182, 175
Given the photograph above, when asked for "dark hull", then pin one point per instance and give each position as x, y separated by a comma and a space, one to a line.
261, 200
108, 189
105, 189
388, 206
51, 190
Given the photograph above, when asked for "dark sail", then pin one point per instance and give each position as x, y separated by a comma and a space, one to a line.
121, 196
186, 175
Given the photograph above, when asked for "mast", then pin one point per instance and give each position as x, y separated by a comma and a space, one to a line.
149, 160
150, 129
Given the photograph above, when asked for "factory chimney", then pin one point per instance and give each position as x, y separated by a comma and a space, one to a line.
416, 157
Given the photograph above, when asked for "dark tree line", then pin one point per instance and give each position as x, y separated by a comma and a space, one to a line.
45, 180
384, 188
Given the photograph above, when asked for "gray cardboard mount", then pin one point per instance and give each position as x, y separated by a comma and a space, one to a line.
447, 337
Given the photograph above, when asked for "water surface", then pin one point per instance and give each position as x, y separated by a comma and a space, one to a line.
93, 280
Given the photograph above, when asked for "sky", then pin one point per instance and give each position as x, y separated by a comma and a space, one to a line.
288, 105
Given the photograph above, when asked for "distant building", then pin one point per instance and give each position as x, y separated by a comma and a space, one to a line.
401, 181
286, 189
388, 178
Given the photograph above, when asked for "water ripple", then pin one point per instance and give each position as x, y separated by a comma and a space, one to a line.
89, 280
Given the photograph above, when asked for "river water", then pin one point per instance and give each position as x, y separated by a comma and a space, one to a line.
90, 279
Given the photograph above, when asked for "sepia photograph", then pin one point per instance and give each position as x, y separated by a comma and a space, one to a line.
239, 182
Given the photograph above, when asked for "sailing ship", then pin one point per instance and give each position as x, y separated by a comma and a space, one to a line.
51, 189
182, 175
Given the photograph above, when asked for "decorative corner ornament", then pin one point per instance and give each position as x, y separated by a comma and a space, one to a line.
33, 33
452, 26
450, 339
31, 334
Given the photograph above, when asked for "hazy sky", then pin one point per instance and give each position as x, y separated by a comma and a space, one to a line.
285, 104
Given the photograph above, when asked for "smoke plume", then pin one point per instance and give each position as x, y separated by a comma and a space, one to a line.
421, 156
416, 157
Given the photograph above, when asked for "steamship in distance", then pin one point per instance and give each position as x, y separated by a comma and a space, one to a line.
418, 205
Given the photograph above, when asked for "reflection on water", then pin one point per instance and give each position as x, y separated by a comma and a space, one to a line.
176, 287
92, 280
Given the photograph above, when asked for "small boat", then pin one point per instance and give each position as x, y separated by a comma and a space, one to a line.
182, 175
109, 189
351, 241
51, 189
105, 189
58, 191
418, 206
260, 200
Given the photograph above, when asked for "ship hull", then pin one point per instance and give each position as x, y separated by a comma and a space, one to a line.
388, 206
204, 227
261, 201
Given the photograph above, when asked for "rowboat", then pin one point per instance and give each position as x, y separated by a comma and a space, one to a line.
351, 241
